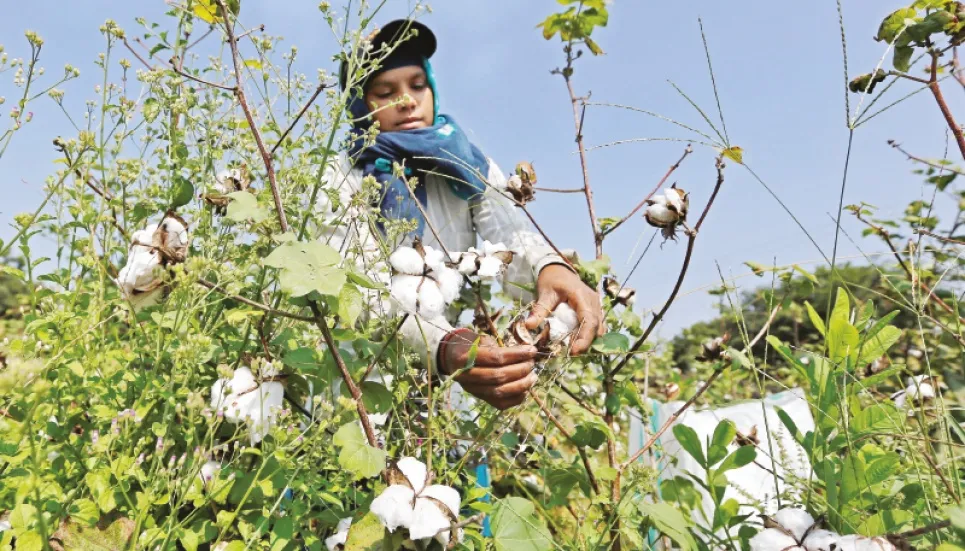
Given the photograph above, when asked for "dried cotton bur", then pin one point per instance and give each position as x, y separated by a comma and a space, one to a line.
152, 250
227, 182
520, 185
618, 293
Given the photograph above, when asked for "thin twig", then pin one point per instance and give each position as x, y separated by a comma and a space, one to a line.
956, 68
137, 55
304, 108
932, 164
240, 93
656, 188
554, 190
939, 237
176, 67
691, 237
926, 529
587, 190
257, 305
346, 376
566, 433
940, 99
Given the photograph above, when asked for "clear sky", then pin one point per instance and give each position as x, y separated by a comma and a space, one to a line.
778, 70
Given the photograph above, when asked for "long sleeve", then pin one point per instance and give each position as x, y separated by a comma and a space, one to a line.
348, 226
498, 220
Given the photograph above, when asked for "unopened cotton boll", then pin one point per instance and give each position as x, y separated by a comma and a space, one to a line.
772, 539
406, 260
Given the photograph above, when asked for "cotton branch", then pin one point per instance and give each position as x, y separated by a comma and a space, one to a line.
932, 164
662, 181
301, 112
940, 99
691, 238
240, 93
559, 426
257, 305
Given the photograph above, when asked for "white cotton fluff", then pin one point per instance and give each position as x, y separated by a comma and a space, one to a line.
450, 283
405, 291
855, 542
490, 249
795, 521
431, 301
675, 199
490, 267
407, 260
226, 181
341, 534
820, 540
563, 321
467, 263
418, 295
918, 388
244, 400
177, 234
142, 262
772, 539
425, 511
435, 258
660, 215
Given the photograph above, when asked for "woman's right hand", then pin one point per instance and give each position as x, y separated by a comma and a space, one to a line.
500, 376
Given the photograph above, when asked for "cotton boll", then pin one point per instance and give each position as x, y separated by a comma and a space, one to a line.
772, 539
855, 542
565, 313
820, 540
795, 521
489, 249
445, 495
176, 236
450, 283
139, 272
415, 472
271, 399
558, 329
393, 507
677, 200
428, 520
431, 301
468, 263
660, 216
490, 267
405, 291
341, 534
407, 260
435, 258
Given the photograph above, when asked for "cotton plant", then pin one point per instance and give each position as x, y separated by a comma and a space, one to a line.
152, 249
668, 210
243, 399
425, 511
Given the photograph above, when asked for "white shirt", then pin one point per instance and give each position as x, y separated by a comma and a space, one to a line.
491, 216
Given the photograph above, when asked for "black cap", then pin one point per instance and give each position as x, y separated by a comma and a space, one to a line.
423, 43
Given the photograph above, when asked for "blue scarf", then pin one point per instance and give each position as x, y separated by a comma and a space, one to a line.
449, 152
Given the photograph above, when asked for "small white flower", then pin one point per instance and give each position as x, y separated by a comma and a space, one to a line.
820, 540
243, 399
407, 260
795, 521
424, 511
341, 534
772, 539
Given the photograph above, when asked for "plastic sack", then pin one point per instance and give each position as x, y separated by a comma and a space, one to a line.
754, 485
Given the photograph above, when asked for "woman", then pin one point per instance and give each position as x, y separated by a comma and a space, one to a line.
461, 200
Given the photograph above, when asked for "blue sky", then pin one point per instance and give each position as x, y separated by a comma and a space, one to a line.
778, 71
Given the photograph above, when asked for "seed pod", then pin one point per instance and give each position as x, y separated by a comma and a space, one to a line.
520, 185
619, 294
671, 391
749, 439
523, 335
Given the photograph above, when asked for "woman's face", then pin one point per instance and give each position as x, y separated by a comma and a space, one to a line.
409, 88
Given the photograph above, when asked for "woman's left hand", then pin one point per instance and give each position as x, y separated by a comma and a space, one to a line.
557, 284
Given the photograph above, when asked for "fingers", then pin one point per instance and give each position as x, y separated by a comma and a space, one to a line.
591, 318
506, 395
495, 356
495, 376
547, 302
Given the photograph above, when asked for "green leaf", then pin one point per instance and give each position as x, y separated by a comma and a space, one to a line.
878, 345
29, 541
516, 527
852, 477
885, 522
182, 193
734, 153
723, 435
902, 59
244, 206
357, 456
307, 266
842, 339
881, 417
253, 64
815, 318
881, 469
671, 522
842, 306
611, 343
23, 517
85, 512
690, 442
595, 48
737, 459
349, 304
894, 24
365, 535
